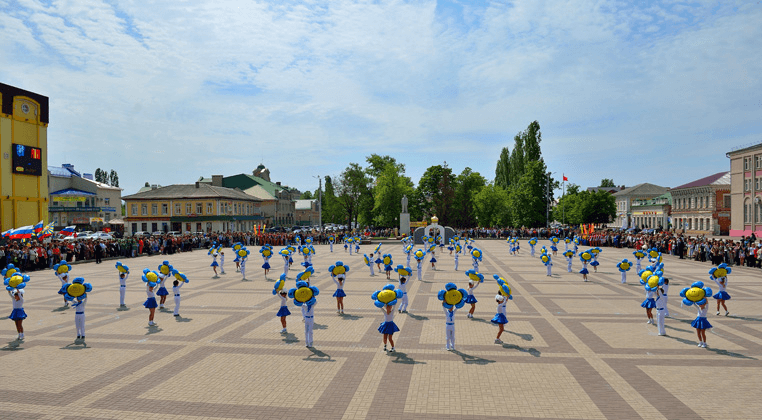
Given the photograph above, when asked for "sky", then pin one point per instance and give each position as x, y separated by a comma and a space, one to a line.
168, 91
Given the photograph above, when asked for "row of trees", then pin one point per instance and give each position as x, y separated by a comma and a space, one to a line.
108, 178
581, 206
518, 196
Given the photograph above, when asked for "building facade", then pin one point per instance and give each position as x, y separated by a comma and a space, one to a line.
282, 210
746, 191
77, 199
307, 213
652, 213
191, 208
703, 206
626, 197
23, 157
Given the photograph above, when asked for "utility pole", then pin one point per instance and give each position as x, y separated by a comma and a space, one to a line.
320, 202
547, 206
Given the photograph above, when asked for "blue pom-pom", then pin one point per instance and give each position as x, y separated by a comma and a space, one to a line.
441, 294
450, 286
378, 304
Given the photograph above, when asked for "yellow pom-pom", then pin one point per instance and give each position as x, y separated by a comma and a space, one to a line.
15, 281
386, 296
303, 294
453, 297
75, 289
695, 294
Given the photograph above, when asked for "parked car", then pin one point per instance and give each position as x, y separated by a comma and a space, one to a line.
102, 236
141, 233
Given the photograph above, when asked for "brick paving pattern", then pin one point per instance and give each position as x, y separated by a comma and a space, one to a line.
572, 350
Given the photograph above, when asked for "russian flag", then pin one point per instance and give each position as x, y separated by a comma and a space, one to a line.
38, 227
24, 232
7, 233
68, 230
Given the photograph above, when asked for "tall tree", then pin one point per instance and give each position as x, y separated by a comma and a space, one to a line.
503, 169
332, 212
377, 164
532, 138
607, 182
467, 185
100, 176
529, 198
307, 195
113, 179
491, 206
390, 187
437, 191
517, 159
353, 183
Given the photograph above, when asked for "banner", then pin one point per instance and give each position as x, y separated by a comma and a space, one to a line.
82, 199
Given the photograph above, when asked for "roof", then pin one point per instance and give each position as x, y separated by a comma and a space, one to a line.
720, 178
611, 190
191, 191
643, 189
304, 204
72, 192
260, 193
744, 148
59, 171
245, 181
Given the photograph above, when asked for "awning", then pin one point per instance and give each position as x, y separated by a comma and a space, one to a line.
116, 222
72, 192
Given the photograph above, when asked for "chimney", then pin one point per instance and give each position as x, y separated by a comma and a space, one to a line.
197, 184
88, 176
154, 186
277, 183
216, 180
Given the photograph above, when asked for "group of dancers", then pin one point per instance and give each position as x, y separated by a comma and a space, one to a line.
392, 298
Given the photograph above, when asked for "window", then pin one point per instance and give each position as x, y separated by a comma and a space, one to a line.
177, 209
701, 202
746, 212
188, 208
144, 210
746, 185
134, 227
154, 211
745, 164
726, 200
164, 209
106, 201
134, 208
758, 161
209, 208
199, 208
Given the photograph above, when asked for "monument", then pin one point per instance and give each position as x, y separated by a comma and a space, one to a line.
404, 218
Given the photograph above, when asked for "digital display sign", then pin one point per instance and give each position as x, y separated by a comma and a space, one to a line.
27, 160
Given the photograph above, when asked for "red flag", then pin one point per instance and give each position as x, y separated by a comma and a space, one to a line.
565, 178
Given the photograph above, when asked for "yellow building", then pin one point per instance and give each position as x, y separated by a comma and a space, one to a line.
23, 157
191, 208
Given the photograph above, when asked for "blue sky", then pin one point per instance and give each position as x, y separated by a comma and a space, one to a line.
165, 92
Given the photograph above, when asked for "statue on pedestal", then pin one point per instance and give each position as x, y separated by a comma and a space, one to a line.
404, 204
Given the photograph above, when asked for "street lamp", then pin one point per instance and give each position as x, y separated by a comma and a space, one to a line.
320, 202
547, 207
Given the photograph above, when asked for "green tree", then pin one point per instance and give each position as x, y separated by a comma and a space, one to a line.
390, 187
332, 211
101, 176
503, 169
598, 207
467, 185
529, 197
606, 182
377, 164
352, 186
437, 192
113, 178
491, 206
307, 195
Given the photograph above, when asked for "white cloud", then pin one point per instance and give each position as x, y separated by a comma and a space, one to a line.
310, 86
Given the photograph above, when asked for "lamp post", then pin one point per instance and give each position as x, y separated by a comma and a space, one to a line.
320, 202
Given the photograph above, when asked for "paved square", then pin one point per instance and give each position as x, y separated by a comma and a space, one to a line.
572, 350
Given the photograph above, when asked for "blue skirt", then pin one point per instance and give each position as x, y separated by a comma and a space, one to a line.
162, 291
595, 263
648, 303
471, 299
214, 264
305, 264
62, 290
388, 268
150, 303
700, 323
449, 248
721, 296
283, 311
499, 319
17, 314
388, 328
584, 271
378, 261
339, 293
266, 266
433, 260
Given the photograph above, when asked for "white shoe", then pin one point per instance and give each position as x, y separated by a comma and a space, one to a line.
718, 312
498, 341
699, 344
727, 313
283, 331
151, 323
342, 312
703, 345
